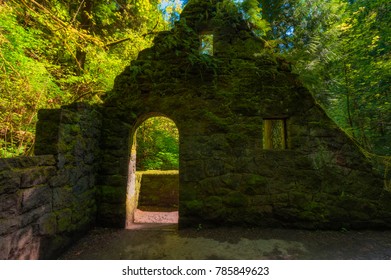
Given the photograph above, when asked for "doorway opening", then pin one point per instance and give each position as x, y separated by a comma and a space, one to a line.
153, 179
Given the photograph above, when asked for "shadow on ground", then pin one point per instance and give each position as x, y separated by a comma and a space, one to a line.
165, 242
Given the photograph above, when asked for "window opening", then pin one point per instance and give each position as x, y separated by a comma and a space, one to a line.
274, 134
206, 41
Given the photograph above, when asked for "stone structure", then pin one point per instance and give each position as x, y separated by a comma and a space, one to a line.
48, 201
255, 148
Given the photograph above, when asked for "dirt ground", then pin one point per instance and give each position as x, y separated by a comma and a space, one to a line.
151, 217
166, 242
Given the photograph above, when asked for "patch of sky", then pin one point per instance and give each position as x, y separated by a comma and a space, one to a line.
171, 9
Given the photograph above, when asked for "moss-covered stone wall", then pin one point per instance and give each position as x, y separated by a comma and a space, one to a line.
219, 104
48, 201
159, 190
25, 205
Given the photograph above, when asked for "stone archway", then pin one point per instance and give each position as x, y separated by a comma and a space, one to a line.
152, 196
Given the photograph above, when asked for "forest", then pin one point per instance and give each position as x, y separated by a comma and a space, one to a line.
54, 53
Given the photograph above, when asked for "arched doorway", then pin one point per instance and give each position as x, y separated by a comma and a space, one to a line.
153, 176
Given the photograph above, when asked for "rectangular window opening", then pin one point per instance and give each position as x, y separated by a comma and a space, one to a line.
206, 44
274, 134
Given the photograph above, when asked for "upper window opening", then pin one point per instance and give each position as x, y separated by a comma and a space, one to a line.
274, 134
206, 41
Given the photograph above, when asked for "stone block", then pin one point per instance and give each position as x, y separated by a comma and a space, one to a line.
235, 199
213, 208
9, 205
82, 185
298, 200
90, 156
337, 214
113, 180
9, 182
20, 239
47, 224
113, 167
262, 210
9, 225
214, 168
113, 142
193, 171
32, 216
69, 117
44, 160
26, 162
254, 180
111, 215
36, 176
259, 200
85, 224
36, 197
232, 180
62, 197
358, 216
112, 194
5, 164
59, 180
25, 246
192, 207
64, 220
5, 246
47, 131
189, 191
279, 198
212, 186
86, 199
82, 213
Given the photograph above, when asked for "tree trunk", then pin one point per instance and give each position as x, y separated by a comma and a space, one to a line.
81, 60
86, 24
350, 120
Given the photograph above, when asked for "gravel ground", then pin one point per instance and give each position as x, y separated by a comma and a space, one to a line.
164, 241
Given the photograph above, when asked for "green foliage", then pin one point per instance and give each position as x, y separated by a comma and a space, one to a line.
342, 52
157, 145
362, 73
56, 52
252, 13
26, 85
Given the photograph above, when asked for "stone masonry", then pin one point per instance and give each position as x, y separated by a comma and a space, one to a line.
48, 201
255, 147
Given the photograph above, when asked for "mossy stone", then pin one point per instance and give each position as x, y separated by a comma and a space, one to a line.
235, 199
213, 208
193, 206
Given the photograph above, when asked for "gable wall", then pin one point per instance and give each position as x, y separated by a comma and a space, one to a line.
322, 180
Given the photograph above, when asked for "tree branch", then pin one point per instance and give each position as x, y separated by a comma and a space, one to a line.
77, 12
127, 39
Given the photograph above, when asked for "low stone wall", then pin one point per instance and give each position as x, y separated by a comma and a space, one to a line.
26, 205
158, 190
48, 201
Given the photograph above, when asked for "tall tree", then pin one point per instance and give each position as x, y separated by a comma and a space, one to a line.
341, 50
55, 52
362, 73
